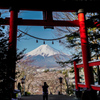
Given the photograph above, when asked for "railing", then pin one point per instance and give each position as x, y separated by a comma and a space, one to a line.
91, 63
76, 70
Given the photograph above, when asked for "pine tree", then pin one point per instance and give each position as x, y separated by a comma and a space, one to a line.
6, 82
3, 62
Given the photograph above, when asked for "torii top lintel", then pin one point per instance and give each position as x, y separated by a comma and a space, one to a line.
54, 5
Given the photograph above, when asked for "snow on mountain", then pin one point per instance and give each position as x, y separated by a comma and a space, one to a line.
46, 56
44, 50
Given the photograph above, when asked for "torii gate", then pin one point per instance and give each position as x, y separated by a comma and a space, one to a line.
48, 7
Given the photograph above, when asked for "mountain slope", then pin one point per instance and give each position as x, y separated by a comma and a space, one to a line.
43, 50
46, 56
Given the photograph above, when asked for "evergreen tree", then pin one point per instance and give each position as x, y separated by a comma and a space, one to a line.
6, 81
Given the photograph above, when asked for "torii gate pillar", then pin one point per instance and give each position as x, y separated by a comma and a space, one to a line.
13, 28
13, 40
84, 45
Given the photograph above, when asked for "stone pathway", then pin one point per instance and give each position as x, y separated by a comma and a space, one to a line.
50, 97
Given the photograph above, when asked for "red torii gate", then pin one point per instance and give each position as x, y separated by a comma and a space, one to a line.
13, 21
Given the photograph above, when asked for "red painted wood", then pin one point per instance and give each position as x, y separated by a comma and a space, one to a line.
13, 29
76, 71
95, 87
96, 63
13, 42
44, 22
90, 64
79, 65
25, 22
84, 45
81, 85
47, 15
50, 23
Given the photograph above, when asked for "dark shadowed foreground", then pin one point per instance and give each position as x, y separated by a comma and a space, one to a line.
50, 97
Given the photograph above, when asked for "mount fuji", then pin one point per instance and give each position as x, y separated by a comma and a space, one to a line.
46, 56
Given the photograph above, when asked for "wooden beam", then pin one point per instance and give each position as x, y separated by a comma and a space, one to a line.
90, 63
94, 63
54, 5
48, 23
81, 85
95, 87
79, 65
26, 22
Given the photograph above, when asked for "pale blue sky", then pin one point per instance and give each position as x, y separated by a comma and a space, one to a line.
38, 31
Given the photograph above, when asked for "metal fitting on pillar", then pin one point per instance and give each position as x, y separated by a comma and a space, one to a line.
81, 11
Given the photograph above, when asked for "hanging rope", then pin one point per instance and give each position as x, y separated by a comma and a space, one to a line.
37, 38
41, 38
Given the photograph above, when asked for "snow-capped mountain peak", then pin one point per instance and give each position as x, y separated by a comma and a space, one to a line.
46, 56
43, 50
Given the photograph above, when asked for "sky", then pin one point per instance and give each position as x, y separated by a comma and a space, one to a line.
37, 31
